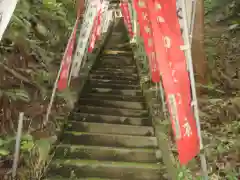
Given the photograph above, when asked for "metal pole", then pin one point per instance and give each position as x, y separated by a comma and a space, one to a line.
194, 4
17, 145
52, 96
193, 88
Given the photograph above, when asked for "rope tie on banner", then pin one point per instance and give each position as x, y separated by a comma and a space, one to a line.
185, 47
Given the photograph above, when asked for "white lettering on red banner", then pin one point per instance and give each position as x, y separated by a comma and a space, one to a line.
147, 35
97, 25
124, 5
171, 61
67, 60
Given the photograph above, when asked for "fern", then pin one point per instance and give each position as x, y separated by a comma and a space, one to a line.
18, 94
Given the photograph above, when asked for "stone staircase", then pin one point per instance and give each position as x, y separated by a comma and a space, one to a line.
110, 136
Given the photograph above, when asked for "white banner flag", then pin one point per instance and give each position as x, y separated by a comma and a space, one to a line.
108, 19
6, 10
85, 32
105, 17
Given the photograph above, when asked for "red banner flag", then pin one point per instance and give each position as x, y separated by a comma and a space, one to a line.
96, 29
172, 65
146, 33
126, 16
67, 59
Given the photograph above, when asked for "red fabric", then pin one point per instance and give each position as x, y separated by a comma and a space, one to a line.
146, 34
67, 60
95, 31
172, 65
126, 16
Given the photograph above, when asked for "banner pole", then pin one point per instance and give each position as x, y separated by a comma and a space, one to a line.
193, 88
194, 4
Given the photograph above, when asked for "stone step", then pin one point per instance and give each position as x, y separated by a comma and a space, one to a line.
68, 151
117, 56
116, 81
112, 111
128, 92
106, 128
114, 73
110, 77
115, 66
112, 103
114, 97
117, 61
98, 118
109, 140
123, 69
106, 170
113, 86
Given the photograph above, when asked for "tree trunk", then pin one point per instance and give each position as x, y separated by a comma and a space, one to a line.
198, 53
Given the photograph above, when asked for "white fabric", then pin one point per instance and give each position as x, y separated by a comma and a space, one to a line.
84, 36
6, 10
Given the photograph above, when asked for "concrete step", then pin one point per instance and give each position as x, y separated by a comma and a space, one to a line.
99, 118
100, 90
102, 169
117, 56
110, 77
68, 151
115, 73
116, 61
114, 97
115, 66
122, 69
112, 111
109, 140
116, 81
105, 128
112, 85
112, 103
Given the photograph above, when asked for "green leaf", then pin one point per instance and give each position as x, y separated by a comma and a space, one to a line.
27, 137
49, 3
18, 94
27, 145
4, 152
44, 146
2, 142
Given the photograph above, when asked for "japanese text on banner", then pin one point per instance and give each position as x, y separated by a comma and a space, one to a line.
147, 35
126, 16
67, 60
172, 65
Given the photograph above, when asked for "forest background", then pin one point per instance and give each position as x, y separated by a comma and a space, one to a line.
30, 56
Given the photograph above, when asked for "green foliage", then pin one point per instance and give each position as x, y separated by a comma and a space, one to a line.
27, 144
32, 48
17, 94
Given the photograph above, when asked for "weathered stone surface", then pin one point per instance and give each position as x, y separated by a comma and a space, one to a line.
113, 111
100, 153
113, 170
100, 118
109, 136
106, 128
109, 140
113, 103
